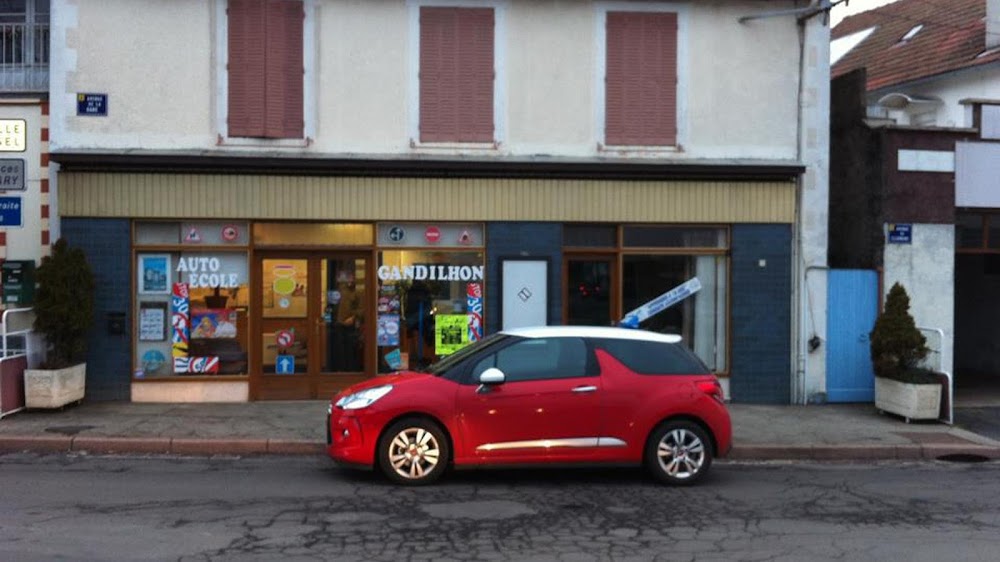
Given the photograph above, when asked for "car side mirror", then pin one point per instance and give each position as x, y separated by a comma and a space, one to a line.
492, 376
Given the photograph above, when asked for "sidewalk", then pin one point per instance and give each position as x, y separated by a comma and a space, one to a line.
821, 432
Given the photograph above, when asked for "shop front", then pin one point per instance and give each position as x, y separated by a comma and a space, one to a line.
231, 310
330, 281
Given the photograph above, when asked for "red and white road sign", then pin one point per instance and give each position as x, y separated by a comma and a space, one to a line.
285, 338
432, 234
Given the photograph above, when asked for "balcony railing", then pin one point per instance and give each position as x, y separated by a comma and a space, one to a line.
24, 57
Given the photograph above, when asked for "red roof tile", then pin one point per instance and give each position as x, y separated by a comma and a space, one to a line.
953, 36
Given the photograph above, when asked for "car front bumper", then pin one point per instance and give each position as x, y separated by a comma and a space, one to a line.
346, 442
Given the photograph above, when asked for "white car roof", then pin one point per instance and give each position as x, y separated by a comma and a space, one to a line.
592, 332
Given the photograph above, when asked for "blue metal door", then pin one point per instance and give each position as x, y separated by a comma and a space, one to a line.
852, 306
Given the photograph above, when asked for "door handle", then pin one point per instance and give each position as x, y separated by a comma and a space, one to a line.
588, 388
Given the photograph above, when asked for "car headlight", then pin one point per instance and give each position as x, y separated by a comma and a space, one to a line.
364, 398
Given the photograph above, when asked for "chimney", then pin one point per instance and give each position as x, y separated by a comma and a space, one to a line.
992, 23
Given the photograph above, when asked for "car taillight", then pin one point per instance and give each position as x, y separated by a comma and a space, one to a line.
711, 388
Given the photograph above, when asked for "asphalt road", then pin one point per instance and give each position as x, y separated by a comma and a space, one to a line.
293, 508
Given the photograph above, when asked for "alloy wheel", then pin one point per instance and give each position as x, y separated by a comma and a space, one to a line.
414, 453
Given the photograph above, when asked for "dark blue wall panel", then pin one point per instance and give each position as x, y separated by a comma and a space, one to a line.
106, 243
761, 314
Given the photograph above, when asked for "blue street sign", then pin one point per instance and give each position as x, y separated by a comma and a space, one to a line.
661, 303
10, 212
900, 233
92, 105
285, 365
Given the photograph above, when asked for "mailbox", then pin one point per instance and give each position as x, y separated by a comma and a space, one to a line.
18, 278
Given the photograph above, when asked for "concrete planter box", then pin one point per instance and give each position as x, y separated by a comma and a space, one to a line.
911, 401
45, 388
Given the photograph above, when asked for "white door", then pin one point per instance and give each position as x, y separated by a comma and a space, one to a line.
525, 293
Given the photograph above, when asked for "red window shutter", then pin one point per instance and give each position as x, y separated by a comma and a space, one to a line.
265, 69
284, 68
456, 74
641, 80
245, 68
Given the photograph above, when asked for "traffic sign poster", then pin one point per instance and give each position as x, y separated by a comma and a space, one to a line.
11, 214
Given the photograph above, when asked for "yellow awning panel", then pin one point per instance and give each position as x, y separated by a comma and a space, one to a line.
204, 196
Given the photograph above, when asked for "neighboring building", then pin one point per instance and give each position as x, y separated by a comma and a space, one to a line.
914, 166
282, 197
25, 207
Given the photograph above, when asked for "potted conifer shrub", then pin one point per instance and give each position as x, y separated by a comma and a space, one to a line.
64, 310
902, 386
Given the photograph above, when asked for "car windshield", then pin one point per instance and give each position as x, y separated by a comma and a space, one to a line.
447, 362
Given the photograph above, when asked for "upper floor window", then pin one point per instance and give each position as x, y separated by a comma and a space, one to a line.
456, 74
265, 69
641, 79
24, 44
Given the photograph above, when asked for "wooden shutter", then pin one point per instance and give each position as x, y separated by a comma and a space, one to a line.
265, 68
456, 74
284, 70
641, 80
245, 67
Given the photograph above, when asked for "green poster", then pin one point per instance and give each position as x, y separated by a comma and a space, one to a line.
451, 333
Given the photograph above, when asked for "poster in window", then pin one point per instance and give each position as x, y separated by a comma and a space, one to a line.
154, 274
388, 330
451, 333
152, 321
213, 323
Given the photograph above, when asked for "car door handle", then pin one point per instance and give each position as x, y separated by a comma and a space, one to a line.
588, 388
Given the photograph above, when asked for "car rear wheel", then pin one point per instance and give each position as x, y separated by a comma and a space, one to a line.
413, 451
679, 453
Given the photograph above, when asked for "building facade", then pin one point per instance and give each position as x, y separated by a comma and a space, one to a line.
26, 207
915, 130
283, 197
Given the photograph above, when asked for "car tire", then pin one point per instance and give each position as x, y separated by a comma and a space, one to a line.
678, 453
413, 451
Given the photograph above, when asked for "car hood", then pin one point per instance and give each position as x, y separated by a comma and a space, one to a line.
395, 379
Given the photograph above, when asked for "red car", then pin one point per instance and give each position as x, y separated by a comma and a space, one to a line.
536, 396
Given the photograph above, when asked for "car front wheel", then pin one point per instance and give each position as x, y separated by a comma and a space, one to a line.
413, 451
679, 453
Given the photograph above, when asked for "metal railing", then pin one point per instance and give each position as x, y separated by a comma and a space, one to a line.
24, 57
17, 337
20, 348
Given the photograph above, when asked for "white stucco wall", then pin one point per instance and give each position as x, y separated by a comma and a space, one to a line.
812, 232
737, 98
926, 269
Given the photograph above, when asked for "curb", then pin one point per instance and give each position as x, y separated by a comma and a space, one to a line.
207, 447
858, 452
158, 445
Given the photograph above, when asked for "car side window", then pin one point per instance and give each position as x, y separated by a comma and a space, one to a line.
654, 358
538, 359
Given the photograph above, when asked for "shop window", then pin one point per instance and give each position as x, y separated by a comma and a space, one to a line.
274, 234
699, 319
590, 236
430, 304
202, 233
673, 237
191, 304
